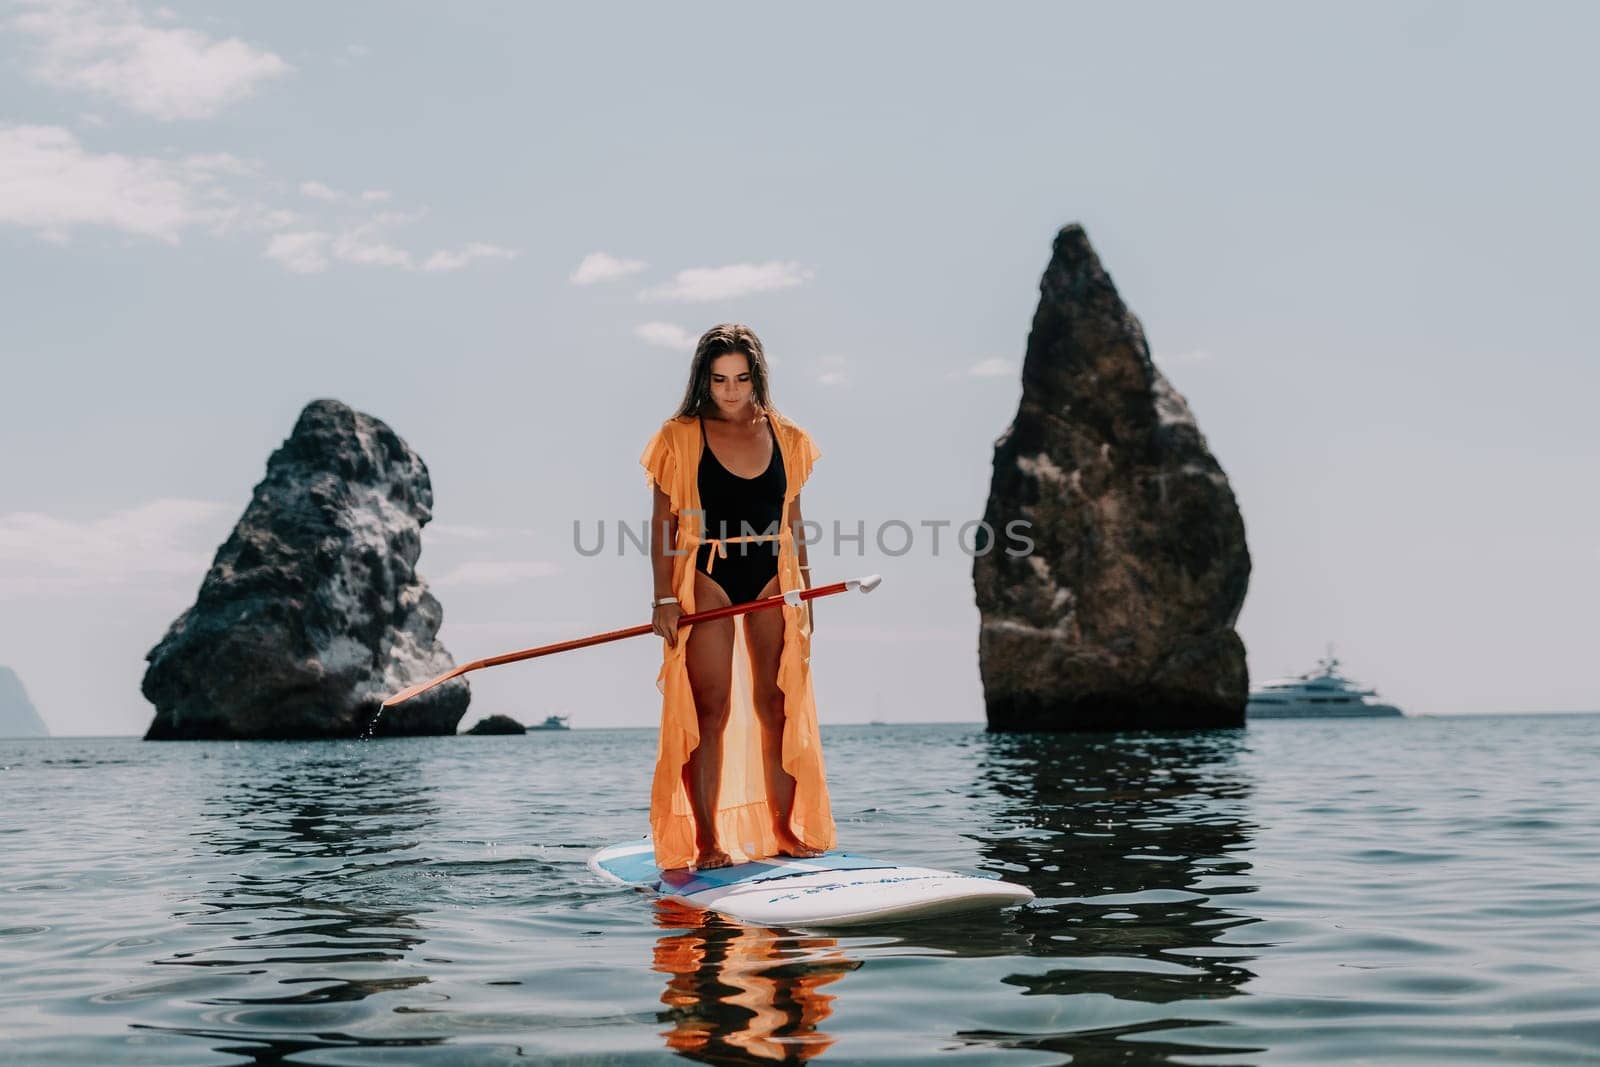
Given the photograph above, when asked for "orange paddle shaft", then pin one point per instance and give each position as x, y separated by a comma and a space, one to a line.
795, 597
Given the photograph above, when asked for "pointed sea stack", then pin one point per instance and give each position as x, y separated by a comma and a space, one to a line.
1121, 616
18, 717
312, 611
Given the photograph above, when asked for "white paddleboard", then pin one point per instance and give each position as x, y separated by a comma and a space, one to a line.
834, 889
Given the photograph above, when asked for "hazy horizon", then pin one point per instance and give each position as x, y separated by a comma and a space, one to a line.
470, 719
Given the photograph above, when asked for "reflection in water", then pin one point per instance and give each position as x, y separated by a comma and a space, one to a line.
303, 846
744, 994
1132, 845
426, 901
1129, 842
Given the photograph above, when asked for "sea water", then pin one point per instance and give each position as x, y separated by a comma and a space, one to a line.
1422, 890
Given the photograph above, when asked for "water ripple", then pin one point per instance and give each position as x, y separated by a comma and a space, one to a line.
1404, 891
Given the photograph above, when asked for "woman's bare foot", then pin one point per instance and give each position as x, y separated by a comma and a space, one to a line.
789, 845
712, 857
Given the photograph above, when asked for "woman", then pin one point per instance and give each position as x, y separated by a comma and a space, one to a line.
739, 768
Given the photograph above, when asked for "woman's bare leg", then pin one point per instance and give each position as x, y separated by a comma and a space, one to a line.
709, 655
764, 640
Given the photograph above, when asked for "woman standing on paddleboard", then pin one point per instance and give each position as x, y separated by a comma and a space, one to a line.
739, 772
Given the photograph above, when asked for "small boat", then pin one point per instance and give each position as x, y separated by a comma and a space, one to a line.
552, 722
1320, 694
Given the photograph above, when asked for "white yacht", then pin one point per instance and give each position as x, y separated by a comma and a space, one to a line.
1320, 694
552, 722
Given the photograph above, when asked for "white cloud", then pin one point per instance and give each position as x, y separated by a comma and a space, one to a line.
220, 163
301, 253
992, 368
364, 244
665, 335
455, 260
161, 540
599, 267
495, 572
318, 191
325, 192
279, 219
700, 284
835, 370
49, 183
165, 72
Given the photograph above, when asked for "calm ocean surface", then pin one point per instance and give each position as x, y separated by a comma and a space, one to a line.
1421, 891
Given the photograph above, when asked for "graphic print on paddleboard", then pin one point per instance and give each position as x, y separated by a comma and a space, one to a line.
834, 889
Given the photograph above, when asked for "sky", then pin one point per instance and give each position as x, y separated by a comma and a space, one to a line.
1360, 237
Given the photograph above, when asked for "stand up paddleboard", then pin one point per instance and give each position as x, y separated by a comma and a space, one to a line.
834, 889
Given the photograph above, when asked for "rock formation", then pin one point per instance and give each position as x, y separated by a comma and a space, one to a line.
497, 724
312, 611
1121, 615
18, 718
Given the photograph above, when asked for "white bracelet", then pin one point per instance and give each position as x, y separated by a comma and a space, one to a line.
663, 600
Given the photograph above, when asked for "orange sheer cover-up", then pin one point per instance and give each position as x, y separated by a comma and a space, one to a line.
744, 819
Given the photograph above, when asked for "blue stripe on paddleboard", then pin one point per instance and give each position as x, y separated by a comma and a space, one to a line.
759, 871
641, 867
635, 867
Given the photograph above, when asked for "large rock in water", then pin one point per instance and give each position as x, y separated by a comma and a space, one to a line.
497, 724
18, 718
312, 611
1121, 616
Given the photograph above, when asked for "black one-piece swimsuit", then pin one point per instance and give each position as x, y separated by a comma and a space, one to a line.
740, 507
